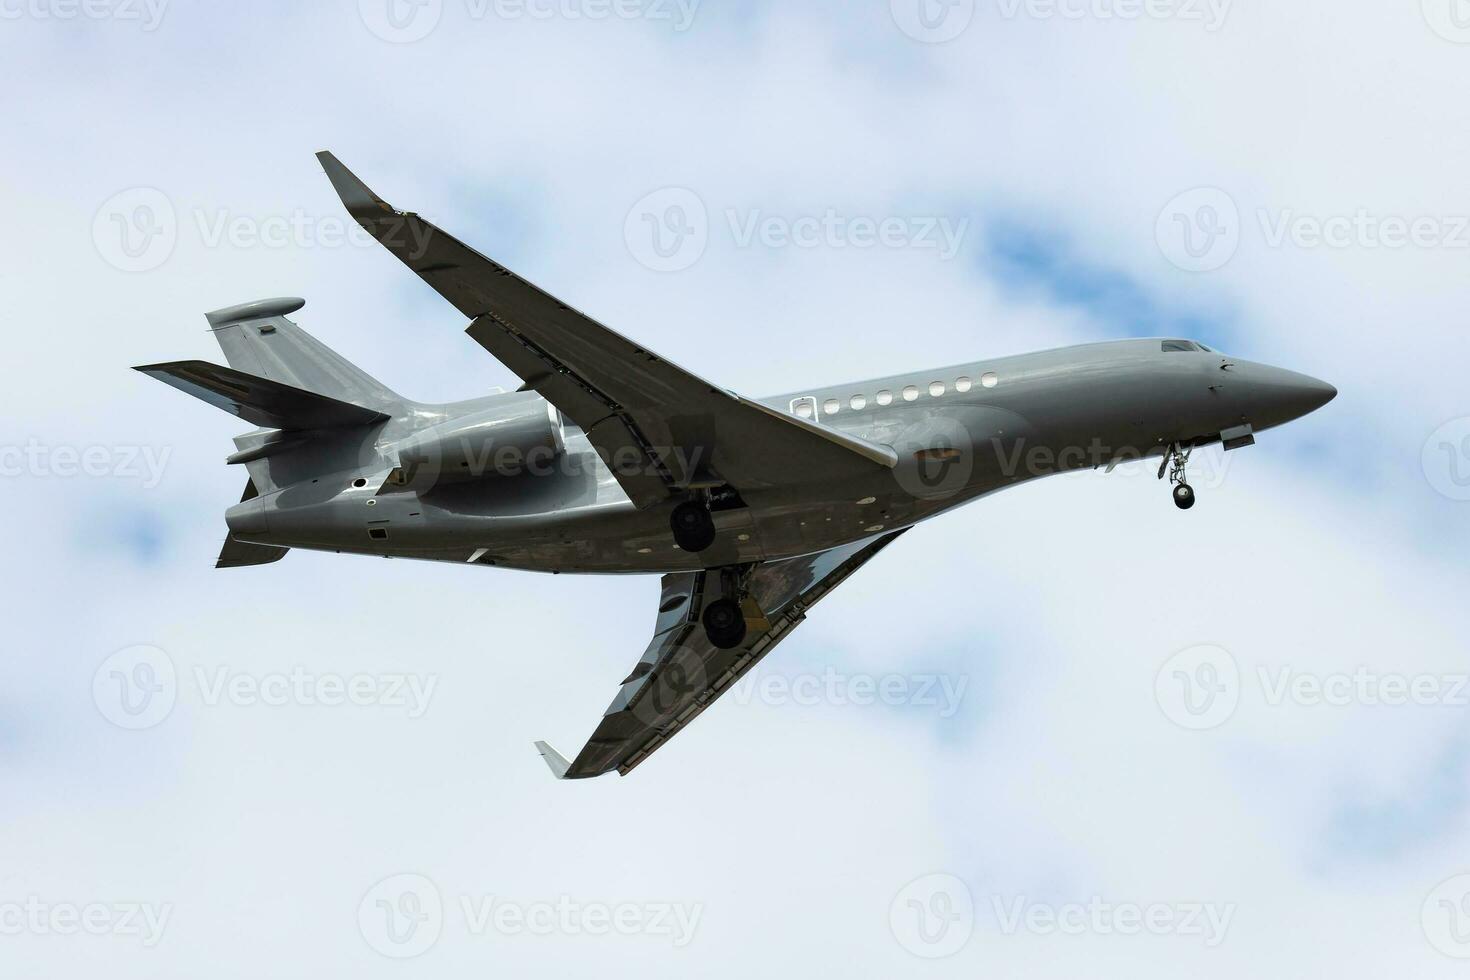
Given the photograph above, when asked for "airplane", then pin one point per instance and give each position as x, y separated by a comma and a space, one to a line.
610, 459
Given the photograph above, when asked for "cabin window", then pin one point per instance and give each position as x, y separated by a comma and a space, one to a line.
858, 403
831, 406
804, 409
885, 397
910, 394
990, 379
963, 385
936, 388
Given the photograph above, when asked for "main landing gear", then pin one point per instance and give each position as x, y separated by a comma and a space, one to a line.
693, 527
1175, 460
723, 615
724, 623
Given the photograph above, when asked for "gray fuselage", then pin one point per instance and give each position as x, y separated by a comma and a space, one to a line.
961, 432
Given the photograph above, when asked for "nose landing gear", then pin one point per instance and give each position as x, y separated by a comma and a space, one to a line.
1175, 460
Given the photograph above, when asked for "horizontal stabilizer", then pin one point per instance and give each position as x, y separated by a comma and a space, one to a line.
260, 401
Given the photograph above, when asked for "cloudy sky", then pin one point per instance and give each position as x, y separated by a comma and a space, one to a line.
1114, 739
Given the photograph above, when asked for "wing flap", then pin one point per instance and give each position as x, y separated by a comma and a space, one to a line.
681, 673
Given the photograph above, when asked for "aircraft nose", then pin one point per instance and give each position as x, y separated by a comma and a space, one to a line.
1280, 395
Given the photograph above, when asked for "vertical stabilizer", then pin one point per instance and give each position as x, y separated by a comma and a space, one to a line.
258, 339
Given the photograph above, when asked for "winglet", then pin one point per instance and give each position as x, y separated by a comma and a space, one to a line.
554, 760
359, 198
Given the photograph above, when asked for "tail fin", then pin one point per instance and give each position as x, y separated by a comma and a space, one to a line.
258, 339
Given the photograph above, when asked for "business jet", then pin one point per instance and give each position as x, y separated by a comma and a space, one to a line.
611, 459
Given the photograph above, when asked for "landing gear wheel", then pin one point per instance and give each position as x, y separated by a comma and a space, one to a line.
694, 529
724, 623
1176, 458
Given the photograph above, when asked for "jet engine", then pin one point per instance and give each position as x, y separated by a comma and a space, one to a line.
520, 433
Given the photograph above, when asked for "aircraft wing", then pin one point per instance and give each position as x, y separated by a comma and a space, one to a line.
660, 428
682, 673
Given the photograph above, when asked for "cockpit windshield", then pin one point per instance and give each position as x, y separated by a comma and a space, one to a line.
1174, 346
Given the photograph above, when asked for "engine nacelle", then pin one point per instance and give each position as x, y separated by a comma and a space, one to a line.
521, 433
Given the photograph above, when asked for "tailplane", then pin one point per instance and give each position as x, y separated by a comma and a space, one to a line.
268, 404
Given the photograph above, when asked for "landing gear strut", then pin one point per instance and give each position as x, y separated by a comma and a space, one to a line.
693, 527
1175, 460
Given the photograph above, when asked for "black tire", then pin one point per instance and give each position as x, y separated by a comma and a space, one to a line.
694, 529
1184, 496
724, 623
